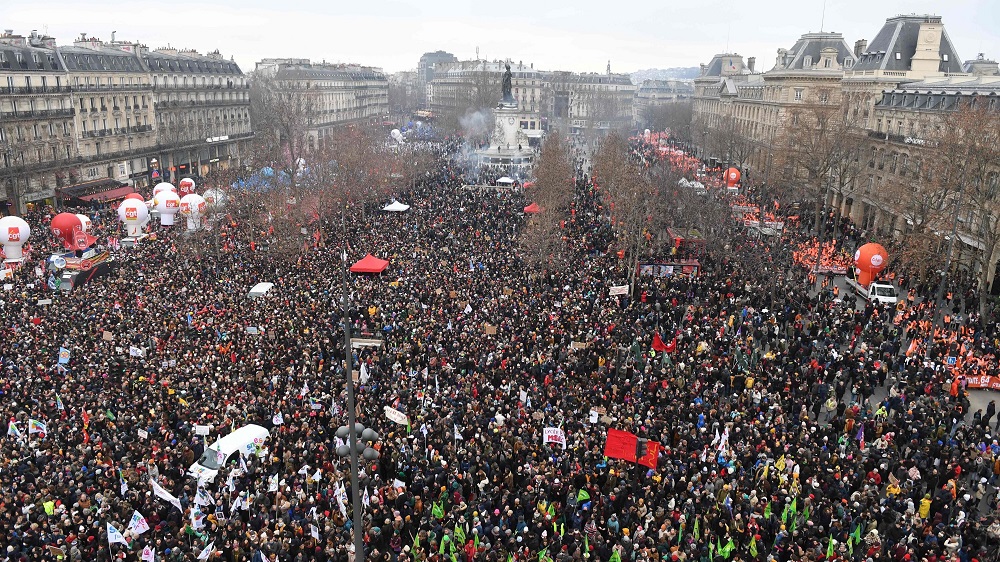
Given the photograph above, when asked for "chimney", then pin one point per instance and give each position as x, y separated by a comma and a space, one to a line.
859, 47
751, 62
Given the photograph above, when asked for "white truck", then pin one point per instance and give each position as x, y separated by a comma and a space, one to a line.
877, 291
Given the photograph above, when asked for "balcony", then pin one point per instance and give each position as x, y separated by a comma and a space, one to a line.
109, 87
37, 114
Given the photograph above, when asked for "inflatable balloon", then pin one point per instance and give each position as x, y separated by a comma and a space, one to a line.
214, 197
185, 186
732, 177
163, 186
396, 135
14, 232
168, 204
869, 260
85, 221
72, 230
134, 196
193, 207
134, 214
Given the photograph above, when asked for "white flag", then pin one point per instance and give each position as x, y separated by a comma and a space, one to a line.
305, 388
202, 498
197, 518
366, 499
114, 535
458, 434
138, 524
207, 552
314, 531
278, 419
304, 470
163, 494
468, 308
272, 483
318, 475
341, 496
148, 555
134, 351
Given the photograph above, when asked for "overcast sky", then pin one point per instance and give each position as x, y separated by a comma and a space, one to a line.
581, 35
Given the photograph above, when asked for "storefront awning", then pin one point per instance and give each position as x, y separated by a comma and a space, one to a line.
109, 195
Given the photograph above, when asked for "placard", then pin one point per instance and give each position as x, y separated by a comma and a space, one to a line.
143, 434
453, 294
202, 429
108, 336
43, 302
489, 329
619, 290
395, 415
252, 330
578, 345
8, 286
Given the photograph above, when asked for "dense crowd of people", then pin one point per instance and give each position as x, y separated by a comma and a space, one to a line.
791, 426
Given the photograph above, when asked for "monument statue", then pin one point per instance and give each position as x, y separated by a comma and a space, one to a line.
507, 97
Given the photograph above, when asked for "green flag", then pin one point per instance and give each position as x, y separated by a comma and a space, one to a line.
857, 534
680, 534
794, 504
444, 539
542, 554
586, 546
767, 511
615, 557
582, 495
437, 510
805, 513
459, 534
784, 516
510, 557
753, 546
552, 510
728, 549
718, 544
475, 540
110, 414
697, 528
416, 542
829, 548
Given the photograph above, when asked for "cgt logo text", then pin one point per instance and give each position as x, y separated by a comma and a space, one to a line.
14, 234
131, 213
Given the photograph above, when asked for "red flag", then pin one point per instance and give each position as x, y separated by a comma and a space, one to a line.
652, 454
85, 417
672, 346
620, 445
658, 344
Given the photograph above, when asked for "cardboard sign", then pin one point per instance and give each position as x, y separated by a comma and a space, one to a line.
143, 434
43, 302
508, 291
252, 330
538, 416
453, 294
202, 429
489, 329
108, 336
438, 291
578, 345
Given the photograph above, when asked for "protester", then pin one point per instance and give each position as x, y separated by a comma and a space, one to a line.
762, 398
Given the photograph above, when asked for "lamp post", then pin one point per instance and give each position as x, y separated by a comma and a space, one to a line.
358, 439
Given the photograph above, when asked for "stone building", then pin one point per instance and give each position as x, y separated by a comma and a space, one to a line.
652, 94
590, 102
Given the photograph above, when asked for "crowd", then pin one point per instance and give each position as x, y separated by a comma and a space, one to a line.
791, 426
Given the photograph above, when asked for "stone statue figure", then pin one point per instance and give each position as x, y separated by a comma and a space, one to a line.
507, 97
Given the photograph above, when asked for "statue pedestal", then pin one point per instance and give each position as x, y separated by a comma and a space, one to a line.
508, 144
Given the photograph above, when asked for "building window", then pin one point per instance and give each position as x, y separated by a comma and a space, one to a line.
798, 94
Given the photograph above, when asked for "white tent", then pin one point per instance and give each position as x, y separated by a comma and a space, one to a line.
396, 207
259, 290
505, 181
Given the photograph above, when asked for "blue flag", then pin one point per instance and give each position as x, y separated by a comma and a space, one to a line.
63, 356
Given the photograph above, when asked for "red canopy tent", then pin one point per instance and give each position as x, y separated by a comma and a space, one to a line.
532, 209
369, 264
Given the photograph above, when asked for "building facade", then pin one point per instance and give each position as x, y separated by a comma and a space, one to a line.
81, 121
426, 68
590, 102
466, 87
338, 94
652, 94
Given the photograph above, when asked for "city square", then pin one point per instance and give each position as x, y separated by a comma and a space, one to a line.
482, 311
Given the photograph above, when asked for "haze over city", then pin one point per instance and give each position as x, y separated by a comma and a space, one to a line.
578, 36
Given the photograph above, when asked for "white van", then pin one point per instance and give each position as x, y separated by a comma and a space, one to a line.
248, 440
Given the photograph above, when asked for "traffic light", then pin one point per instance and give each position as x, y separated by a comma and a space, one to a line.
641, 448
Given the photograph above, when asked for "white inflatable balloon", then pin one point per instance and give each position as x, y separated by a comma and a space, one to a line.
168, 204
14, 232
193, 207
85, 222
163, 186
134, 214
215, 197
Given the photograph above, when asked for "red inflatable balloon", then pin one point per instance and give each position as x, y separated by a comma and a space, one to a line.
69, 228
869, 260
732, 177
134, 196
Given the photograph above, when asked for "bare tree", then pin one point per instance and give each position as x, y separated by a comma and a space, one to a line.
543, 238
282, 113
969, 156
818, 147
